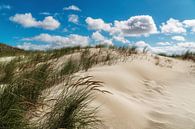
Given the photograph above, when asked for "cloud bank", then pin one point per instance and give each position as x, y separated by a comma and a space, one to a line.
134, 26
55, 41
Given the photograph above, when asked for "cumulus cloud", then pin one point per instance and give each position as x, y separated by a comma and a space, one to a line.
61, 41
134, 26
166, 47
27, 20
178, 38
72, 7
8, 7
100, 39
97, 24
97, 36
190, 24
172, 26
73, 18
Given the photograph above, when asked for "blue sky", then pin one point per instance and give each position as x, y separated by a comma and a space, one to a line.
162, 25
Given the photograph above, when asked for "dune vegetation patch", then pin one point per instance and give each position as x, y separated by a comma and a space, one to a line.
25, 79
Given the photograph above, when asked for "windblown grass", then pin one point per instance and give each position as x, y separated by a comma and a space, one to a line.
12, 109
7, 71
20, 94
33, 82
24, 80
72, 110
70, 67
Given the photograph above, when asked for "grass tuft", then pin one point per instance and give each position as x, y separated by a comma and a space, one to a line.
72, 110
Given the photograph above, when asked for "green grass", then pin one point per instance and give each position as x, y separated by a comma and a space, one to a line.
23, 91
24, 79
72, 110
70, 67
19, 95
12, 108
7, 71
86, 60
33, 82
6, 50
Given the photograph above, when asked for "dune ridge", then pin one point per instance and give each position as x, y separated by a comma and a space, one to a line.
147, 95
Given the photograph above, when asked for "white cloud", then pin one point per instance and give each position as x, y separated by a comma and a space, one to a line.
97, 24
8, 7
120, 39
61, 41
163, 43
190, 24
141, 44
97, 36
189, 45
172, 26
73, 18
178, 38
72, 7
27, 20
167, 48
31, 46
134, 26
100, 39
178, 48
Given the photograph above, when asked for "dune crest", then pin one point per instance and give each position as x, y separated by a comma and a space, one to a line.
147, 95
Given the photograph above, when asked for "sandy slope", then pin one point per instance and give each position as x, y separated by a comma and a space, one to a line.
148, 92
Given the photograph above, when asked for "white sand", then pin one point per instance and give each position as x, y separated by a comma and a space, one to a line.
146, 95
148, 92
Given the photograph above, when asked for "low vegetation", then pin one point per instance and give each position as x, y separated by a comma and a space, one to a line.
184, 56
72, 110
24, 78
6, 50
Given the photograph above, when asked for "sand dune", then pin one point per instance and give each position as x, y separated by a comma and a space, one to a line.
148, 92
